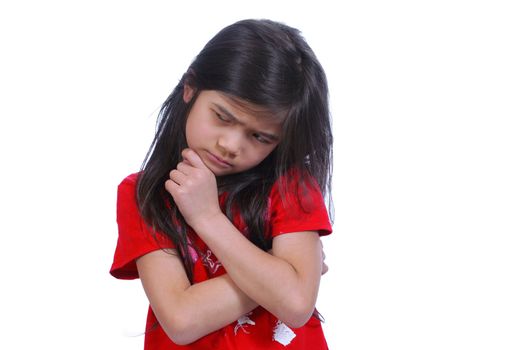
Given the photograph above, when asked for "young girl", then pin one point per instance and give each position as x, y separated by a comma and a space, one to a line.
222, 224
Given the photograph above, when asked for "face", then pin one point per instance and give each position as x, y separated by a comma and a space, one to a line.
228, 138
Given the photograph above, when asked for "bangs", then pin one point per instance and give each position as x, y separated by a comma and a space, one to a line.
273, 114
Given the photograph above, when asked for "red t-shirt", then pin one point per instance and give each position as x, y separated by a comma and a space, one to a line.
257, 330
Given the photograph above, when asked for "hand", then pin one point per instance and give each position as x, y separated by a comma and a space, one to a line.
193, 187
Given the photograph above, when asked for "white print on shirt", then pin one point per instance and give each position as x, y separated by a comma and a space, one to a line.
283, 334
242, 322
214, 265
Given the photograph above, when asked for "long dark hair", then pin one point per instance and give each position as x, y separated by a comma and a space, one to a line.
259, 63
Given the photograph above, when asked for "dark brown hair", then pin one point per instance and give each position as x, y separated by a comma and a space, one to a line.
261, 63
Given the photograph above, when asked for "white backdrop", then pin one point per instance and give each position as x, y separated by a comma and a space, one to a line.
429, 110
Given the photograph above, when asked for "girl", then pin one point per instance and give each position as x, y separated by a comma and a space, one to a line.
222, 224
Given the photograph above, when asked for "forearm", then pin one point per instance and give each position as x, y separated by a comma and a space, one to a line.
188, 312
270, 281
213, 304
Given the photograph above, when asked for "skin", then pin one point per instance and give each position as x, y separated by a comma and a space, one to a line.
224, 139
227, 139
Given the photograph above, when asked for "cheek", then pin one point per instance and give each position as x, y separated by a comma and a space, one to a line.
196, 132
189, 134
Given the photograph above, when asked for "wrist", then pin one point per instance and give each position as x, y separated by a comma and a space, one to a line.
205, 222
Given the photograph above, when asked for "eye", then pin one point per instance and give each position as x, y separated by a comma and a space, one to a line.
261, 138
221, 117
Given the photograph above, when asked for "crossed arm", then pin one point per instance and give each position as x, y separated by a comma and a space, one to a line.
285, 282
188, 312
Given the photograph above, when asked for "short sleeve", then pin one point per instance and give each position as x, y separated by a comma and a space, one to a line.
135, 239
301, 209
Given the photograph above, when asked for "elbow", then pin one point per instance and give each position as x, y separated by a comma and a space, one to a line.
180, 339
298, 313
297, 319
180, 332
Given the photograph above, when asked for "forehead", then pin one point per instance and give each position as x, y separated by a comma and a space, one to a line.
245, 111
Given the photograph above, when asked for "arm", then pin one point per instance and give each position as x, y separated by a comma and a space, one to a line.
286, 284
188, 312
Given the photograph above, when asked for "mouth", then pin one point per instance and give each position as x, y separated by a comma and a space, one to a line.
218, 161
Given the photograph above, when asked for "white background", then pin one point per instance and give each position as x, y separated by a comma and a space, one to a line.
429, 109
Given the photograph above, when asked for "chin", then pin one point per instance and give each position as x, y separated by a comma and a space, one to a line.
223, 173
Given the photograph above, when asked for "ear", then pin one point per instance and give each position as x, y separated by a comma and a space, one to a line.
188, 93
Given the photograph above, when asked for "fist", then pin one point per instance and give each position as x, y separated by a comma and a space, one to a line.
193, 187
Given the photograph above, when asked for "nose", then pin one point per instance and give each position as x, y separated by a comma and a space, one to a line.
231, 143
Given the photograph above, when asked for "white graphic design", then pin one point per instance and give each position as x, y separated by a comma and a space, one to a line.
214, 265
283, 334
242, 322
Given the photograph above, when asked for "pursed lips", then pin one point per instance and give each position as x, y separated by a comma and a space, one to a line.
220, 160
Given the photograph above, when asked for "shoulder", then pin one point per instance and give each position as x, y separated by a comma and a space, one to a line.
297, 189
130, 180
296, 203
135, 236
127, 186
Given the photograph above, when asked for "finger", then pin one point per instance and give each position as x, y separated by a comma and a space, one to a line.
171, 187
184, 167
193, 158
177, 176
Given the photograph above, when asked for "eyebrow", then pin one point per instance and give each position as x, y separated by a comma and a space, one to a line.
225, 111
